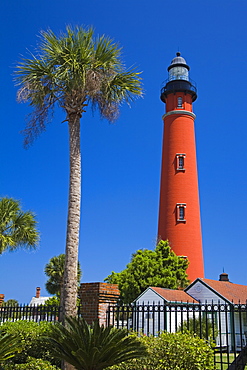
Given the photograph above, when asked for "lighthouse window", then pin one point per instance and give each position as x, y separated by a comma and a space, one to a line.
180, 162
180, 102
181, 212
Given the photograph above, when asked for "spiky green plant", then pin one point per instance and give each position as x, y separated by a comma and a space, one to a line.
71, 71
9, 346
93, 347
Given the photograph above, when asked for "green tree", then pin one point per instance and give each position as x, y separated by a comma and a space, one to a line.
10, 303
18, 229
160, 268
93, 347
54, 269
73, 70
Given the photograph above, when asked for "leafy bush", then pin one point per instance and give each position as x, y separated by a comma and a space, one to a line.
32, 336
173, 351
32, 364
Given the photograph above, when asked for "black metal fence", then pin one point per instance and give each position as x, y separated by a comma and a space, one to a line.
30, 313
224, 325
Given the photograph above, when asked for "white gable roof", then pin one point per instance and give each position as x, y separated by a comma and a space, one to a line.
37, 301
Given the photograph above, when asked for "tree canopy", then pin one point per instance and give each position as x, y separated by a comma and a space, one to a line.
160, 267
18, 229
71, 70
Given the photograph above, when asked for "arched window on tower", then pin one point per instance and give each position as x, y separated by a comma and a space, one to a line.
181, 207
180, 102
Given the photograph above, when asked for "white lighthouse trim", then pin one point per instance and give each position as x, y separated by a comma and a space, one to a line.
183, 112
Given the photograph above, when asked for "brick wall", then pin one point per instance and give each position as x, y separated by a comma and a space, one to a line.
95, 299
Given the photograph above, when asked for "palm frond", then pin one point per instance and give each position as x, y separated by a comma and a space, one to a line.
17, 228
107, 55
9, 346
72, 69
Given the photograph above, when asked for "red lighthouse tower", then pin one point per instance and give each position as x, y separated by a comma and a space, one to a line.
179, 213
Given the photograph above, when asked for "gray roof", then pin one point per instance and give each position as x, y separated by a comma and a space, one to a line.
178, 59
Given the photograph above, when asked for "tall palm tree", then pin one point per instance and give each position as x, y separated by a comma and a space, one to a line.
93, 347
54, 269
18, 229
73, 70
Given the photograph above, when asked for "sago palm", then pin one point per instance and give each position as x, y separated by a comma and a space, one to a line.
73, 70
18, 229
93, 347
9, 346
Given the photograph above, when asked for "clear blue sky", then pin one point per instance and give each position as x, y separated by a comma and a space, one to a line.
121, 162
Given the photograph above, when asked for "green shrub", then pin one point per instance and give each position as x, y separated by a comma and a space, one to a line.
32, 337
32, 364
173, 351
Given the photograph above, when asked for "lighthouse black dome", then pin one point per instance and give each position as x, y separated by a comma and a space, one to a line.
178, 80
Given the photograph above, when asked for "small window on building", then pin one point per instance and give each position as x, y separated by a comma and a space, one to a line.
180, 102
180, 162
181, 207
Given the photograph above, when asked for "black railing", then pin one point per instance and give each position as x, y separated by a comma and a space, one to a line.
31, 313
224, 325
172, 86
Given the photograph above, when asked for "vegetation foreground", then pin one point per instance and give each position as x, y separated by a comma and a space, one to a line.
92, 347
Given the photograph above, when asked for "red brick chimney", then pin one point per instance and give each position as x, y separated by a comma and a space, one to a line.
95, 299
1, 298
37, 292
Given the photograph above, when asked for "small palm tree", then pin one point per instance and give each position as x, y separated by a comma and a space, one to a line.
54, 269
73, 70
17, 228
93, 347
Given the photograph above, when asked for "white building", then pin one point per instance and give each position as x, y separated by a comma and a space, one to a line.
38, 300
160, 309
222, 303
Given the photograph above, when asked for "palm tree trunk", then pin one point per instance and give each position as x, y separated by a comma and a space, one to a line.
69, 296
